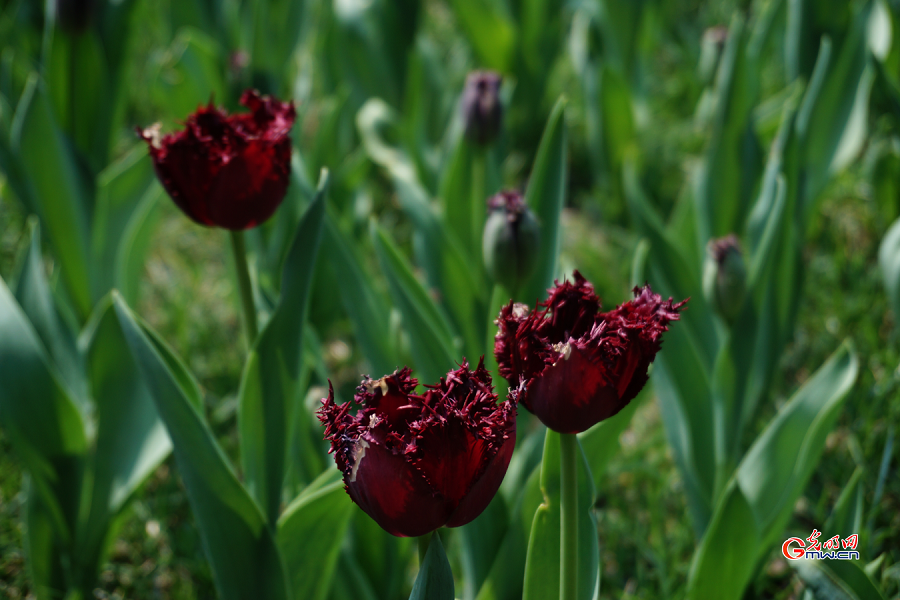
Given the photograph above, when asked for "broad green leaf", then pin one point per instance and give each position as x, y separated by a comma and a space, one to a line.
546, 195
121, 188
481, 541
490, 31
310, 535
435, 579
834, 127
685, 404
836, 580
365, 307
44, 549
846, 517
353, 583
617, 114
463, 193
131, 439
276, 32
431, 340
383, 560
681, 381
190, 75
728, 551
621, 23
40, 419
889, 261
79, 86
368, 44
135, 243
601, 442
268, 395
34, 295
726, 178
670, 272
61, 200
243, 556
437, 250
542, 567
523, 481
775, 470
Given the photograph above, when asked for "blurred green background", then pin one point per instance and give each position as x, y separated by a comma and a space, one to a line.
640, 79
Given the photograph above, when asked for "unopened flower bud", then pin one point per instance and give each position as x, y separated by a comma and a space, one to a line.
511, 238
725, 277
482, 110
74, 16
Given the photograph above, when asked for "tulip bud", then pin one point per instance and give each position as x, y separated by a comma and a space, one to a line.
482, 111
725, 277
511, 238
74, 16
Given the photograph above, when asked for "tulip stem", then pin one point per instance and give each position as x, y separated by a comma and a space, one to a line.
244, 285
568, 541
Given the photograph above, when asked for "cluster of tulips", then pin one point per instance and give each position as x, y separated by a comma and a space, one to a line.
418, 462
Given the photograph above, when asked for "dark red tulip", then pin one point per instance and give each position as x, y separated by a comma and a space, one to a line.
229, 171
580, 366
415, 463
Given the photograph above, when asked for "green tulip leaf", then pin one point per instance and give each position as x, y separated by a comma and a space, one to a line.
190, 75
362, 302
429, 331
774, 472
241, 549
131, 439
310, 534
61, 200
726, 557
546, 195
836, 580
40, 420
126, 193
435, 579
34, 295
269, 392
889, 261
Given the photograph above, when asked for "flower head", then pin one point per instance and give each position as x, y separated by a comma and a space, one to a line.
580, 366
230, 171
482, 110
511, 238
725, 277
415, 463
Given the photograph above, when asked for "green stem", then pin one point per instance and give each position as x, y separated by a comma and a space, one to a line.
568, 539
244, 285
422, 541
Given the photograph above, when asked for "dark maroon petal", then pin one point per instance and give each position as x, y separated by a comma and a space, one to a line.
227, 171
517, 345
411, 460
573, 307
483, 491
573, 394
463, 431
643, 320
578, 374
246, 191
393, 493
